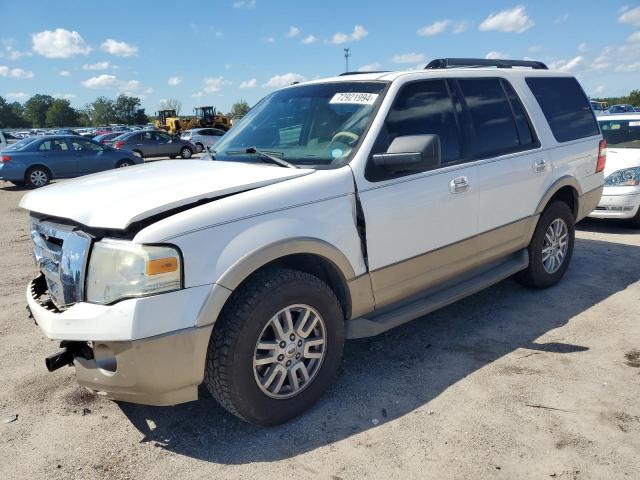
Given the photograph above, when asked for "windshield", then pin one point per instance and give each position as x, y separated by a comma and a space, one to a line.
621, 133
19, 145
310, 125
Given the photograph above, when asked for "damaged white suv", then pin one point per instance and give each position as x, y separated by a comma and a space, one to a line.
335, 209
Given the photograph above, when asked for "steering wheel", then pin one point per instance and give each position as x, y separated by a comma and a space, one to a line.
352, 138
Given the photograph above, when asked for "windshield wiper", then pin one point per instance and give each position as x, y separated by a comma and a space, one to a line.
270, 158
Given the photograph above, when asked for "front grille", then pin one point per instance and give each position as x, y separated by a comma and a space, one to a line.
61, 252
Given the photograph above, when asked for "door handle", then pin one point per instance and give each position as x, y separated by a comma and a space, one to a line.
459, 185
539, 165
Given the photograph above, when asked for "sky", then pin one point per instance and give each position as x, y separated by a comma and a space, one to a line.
218, 51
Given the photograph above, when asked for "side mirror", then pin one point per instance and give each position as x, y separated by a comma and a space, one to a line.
411, 153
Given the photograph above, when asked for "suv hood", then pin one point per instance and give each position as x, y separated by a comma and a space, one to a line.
117, 198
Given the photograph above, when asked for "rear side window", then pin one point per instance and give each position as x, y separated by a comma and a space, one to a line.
565, 106
522, 122
493, 121
53, 146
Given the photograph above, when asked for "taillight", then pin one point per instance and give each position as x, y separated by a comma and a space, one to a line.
6, 158
602, 156
118, 144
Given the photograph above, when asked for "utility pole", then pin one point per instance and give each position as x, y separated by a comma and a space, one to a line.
346, 59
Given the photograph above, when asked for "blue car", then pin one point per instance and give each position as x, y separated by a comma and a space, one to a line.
35, 161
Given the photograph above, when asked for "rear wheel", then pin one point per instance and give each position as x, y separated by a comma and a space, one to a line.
551, 247
124, 163
200, 147
37, 177
276, 347
186, 152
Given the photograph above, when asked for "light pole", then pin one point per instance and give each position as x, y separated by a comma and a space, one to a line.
346, 59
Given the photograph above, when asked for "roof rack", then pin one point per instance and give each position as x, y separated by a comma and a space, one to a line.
362, 73
442, 63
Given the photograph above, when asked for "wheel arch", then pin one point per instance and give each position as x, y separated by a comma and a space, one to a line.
314, 256
38, 165
566, 189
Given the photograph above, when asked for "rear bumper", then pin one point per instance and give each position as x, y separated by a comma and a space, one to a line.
11, 172
618, 202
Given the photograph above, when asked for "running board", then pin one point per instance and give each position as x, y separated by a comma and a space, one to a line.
438, 297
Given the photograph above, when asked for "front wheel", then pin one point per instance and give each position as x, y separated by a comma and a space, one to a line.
124, 163
276, 347
551, 247
186, 153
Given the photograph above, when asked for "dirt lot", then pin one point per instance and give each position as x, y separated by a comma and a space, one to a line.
510, 383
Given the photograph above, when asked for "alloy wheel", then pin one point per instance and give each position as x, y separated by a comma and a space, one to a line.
289, 351
555, 246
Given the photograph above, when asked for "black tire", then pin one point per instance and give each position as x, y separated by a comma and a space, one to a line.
229, 371
37, 172
535, 274
200, 147
124, 163
186, 152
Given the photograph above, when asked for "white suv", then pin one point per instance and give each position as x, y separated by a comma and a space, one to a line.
337, 208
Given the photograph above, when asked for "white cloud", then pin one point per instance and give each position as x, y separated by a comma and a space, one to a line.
628, 68
492, 55
309, 39
245, 4
97, 66
101, 81
15, 73
293, 32
359, 32
510, 20
566, 66
561, 19
279, 81
64, 73
408, 58
17, 96
59, 43
120, 49
214, 84
269, 39
253, 83
65, 96
197, 95
368, 67
173, 81
535, 48
634, 37
599, 90
460, 27
435, 28
583, 47
632, 17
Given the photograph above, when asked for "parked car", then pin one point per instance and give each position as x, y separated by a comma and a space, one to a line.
202, 137
108, 138
622, 108
36, 161
148, 143
7, 139
334, 209
65, 131
621, 195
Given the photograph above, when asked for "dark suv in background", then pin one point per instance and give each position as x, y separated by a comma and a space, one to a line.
151, 143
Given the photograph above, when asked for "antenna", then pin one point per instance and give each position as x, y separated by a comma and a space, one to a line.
346, 59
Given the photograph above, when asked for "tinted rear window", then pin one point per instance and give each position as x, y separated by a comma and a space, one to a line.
565, 106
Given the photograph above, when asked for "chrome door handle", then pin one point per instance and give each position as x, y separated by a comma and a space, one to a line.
459, 185
539, 165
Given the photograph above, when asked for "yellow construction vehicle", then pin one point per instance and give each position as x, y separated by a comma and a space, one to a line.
206, 117
169, 121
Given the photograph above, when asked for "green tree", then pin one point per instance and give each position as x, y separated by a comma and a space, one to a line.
634, 98
11, 115
35, 109
239, 110
128, 110
101, 111
61, 114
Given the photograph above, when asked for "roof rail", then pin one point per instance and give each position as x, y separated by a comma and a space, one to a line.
362, 73
441, 63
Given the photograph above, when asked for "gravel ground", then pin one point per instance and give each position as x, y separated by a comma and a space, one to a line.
510, 383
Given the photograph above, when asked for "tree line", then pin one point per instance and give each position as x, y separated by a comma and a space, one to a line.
46, 111
632, 99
